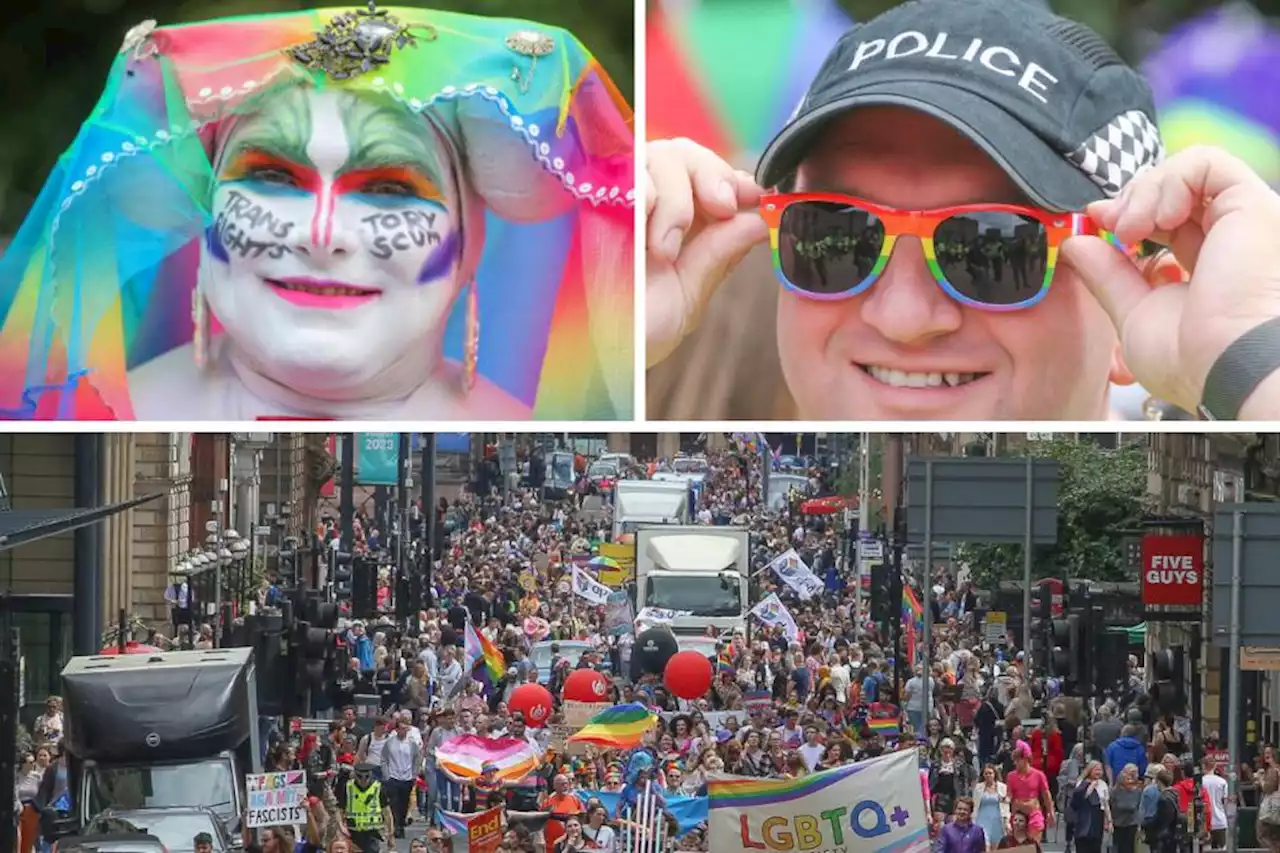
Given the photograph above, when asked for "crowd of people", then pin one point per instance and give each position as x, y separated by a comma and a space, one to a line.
1006, 760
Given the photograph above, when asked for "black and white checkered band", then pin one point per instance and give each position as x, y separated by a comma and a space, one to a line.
1116, 154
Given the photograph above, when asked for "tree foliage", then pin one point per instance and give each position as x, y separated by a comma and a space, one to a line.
1102, 495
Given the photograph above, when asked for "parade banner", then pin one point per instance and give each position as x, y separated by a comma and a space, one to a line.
484, 831
796, 574
276, 799
650, 616
772, 612
871, 805
625, 557
617, 615
377, 458
585, 586
757, 701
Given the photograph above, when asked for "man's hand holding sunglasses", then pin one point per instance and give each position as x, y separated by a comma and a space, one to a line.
702, 221
1222, 223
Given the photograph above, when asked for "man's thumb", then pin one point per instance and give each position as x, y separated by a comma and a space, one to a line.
1109, 274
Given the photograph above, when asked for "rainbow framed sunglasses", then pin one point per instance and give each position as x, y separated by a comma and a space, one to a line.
994, 257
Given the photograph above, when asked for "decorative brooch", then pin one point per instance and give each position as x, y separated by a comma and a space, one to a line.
355, 43
532, 44
136, 39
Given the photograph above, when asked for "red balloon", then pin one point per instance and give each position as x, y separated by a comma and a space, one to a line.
532, 700
688, 675
585, 685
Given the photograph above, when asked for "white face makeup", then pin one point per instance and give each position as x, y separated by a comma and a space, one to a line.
335, 248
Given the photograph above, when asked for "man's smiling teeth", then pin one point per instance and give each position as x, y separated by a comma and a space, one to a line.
324, 291
902, 379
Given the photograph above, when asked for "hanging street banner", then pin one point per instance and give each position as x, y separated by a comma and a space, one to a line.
377, 458
276, 799
871, 805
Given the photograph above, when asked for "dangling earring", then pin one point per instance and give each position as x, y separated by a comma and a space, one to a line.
200, 334
471, 346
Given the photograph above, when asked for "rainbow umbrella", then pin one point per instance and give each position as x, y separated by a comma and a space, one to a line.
729, 73
603, 563
1215, 80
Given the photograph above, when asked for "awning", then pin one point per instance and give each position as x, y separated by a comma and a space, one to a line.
22, 526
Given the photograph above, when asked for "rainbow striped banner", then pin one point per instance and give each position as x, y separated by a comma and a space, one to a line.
875, 806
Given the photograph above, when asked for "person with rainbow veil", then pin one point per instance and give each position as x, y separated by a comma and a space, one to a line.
302, 215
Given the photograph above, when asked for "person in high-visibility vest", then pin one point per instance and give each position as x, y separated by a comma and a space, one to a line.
366, 812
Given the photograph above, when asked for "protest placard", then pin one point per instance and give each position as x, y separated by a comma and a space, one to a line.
276, 799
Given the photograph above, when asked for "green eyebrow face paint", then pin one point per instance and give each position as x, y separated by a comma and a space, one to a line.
382, 132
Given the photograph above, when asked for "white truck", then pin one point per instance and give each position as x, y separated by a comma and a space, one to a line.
641, 502
701, 569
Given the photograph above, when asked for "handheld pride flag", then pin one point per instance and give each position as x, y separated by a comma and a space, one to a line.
479, 650
619, 727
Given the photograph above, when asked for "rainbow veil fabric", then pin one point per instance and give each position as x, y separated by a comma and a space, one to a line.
100, 277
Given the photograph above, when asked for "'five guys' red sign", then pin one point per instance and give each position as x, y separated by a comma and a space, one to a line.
1172, 569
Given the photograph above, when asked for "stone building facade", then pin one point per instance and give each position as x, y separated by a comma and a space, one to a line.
67, 590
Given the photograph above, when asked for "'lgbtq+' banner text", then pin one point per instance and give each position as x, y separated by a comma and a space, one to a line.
874, 806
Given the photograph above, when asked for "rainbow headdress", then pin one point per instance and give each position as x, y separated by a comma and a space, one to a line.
100, 278
619, 727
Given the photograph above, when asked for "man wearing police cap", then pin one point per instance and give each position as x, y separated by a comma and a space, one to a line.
366, 812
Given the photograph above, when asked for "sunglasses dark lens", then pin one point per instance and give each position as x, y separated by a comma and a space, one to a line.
992, 257
828, 247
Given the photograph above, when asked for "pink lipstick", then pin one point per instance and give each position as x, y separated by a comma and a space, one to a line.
316, 293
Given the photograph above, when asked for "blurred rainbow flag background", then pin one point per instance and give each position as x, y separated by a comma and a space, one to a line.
1216, 81
728, 73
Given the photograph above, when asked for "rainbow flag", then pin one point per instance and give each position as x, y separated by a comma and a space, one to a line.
912, 621
465, 755
886, 727
748, 792
619, 727
478, 649
912, 609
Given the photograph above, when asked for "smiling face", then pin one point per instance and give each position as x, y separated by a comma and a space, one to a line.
895, 350
336, 240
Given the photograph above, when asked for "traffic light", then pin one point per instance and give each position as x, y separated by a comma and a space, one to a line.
1041, 629
287, 563
343, 570
364, 584
1064, 642
881, 595
1168, 681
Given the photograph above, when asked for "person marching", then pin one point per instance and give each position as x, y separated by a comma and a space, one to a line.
367, 812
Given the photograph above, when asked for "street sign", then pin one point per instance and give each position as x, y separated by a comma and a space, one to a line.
995, 628
1259, 581
984, 500
871, 550
1255, 659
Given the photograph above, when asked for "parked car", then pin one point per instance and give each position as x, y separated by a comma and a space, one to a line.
570, 650
176, 827
111, 842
